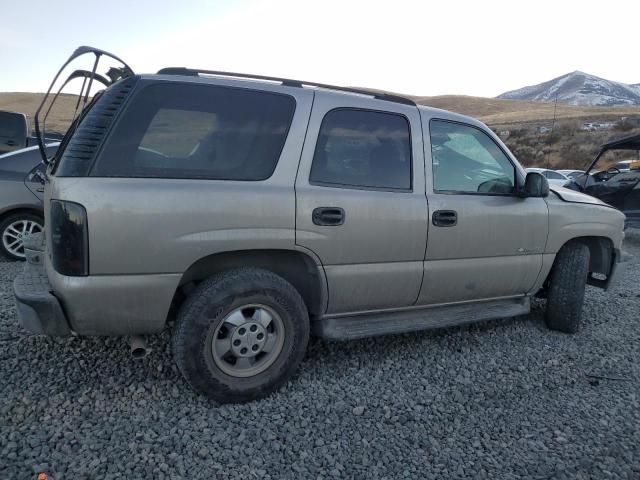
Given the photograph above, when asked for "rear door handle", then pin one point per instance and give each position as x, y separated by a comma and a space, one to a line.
444, 218
328, 216
11, 143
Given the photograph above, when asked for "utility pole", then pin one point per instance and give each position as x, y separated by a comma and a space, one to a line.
553, 124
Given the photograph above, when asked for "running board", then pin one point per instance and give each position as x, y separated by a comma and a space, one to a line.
416, 319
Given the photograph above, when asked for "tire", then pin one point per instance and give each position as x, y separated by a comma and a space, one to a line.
11, 226
565, 294
213, 314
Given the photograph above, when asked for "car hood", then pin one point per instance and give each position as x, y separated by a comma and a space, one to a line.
572, 196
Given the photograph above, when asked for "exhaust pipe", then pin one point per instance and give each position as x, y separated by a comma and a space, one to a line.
138, 347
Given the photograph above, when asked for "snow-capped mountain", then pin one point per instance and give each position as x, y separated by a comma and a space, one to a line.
579, 88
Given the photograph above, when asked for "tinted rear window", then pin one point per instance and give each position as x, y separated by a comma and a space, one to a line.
198, 131
362, 148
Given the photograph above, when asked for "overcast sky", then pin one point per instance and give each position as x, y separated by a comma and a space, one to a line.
425, 47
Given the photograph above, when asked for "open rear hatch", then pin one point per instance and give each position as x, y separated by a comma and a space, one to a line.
73, 91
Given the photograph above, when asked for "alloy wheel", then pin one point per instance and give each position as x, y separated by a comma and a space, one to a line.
13, 235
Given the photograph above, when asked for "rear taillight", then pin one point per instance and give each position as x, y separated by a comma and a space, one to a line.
69, 238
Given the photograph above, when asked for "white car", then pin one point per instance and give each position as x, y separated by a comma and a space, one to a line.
571, 174
554, 178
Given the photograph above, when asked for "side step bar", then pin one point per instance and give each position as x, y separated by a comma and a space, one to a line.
416, 319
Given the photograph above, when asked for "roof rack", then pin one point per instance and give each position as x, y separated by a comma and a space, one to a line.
286, 82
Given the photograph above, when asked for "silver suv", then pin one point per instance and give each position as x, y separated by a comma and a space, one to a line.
257, 211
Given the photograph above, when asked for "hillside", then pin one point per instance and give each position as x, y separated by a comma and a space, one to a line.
579, 88
494, 111
59, 118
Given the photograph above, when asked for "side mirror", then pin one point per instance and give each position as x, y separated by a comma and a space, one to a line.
535, 185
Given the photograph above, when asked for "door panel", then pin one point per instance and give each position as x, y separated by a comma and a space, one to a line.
374, 258
351, 288
494, 248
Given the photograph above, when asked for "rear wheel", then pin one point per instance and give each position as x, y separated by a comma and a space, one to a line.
13, 229
241, 334
565, 293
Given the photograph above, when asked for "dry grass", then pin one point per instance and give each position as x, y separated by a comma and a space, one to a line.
494, 111
59, 118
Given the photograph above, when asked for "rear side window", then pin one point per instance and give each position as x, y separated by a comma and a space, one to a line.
362, 148
198, 131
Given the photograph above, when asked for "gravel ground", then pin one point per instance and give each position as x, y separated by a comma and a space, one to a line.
504, 399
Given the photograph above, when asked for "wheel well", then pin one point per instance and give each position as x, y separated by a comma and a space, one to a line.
296, 267
600, 253
601, 258
32, 211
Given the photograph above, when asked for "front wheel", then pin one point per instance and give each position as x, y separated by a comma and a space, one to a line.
565, 294
241, 334
13, 229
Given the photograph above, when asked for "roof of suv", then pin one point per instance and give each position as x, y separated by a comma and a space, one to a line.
287, 82
244, 79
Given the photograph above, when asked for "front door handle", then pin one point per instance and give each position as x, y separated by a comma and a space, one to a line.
444, 218
11, 143
328, 216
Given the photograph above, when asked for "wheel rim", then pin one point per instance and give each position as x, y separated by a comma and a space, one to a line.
13, 235
248, 340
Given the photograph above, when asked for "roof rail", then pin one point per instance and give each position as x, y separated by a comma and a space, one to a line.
286, 82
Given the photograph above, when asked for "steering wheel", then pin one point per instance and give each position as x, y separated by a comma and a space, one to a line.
613, 171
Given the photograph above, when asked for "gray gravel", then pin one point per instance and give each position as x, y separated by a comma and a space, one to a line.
504, 399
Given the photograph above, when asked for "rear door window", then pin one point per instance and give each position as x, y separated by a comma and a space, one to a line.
363, 149
174, 130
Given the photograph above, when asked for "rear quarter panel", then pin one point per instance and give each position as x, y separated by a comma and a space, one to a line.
157, 226
144, 233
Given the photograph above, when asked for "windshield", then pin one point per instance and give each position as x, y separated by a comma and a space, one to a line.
87, 72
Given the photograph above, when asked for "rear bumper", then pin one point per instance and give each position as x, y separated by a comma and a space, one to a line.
39, 310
